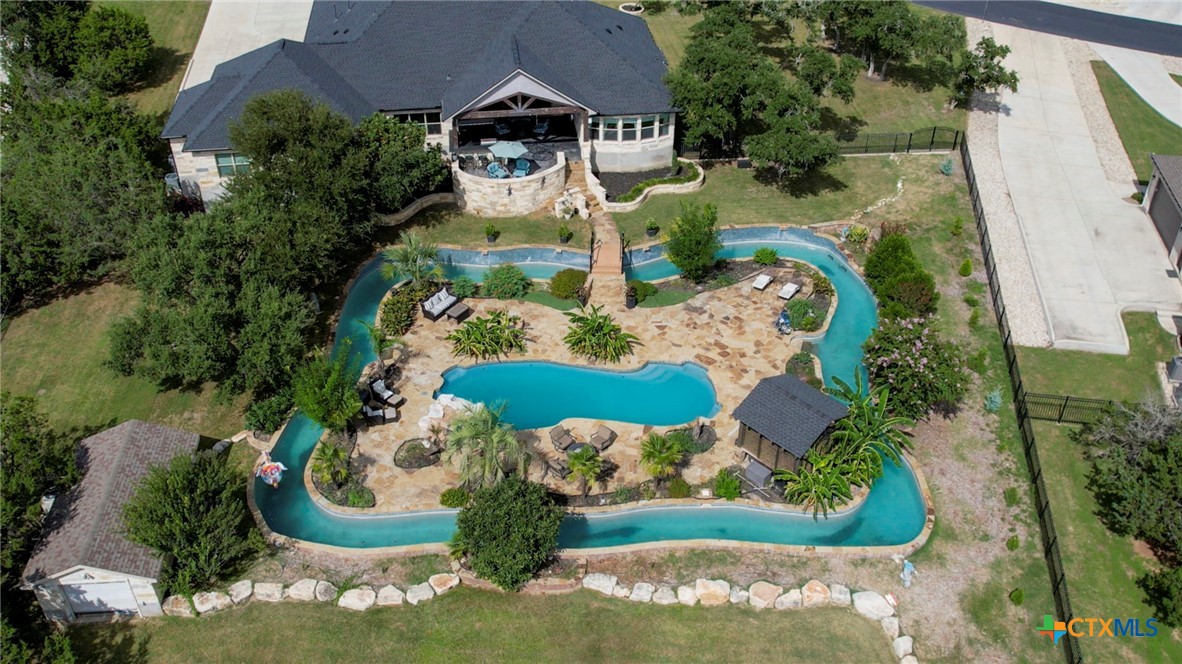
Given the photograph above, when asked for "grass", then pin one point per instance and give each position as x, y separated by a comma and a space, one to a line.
545, 299
470, 625
1142, 129
1101, 567
175, 28
1131, 377
892, 106
742, 200
56, 352
444, 224
666, 297
1177, 78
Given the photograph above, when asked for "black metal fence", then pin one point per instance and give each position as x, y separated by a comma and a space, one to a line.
931, 139
1023, 405
1058, 408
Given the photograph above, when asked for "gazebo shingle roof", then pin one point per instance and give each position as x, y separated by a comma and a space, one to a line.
789, 412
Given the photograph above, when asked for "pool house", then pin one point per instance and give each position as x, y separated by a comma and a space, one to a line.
780, 421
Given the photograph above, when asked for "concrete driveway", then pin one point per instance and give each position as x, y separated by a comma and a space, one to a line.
1094, 254
234, 27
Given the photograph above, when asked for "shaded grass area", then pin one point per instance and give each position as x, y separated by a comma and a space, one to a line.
1142, 129
1131, 377
901, 103
1101, 567
56, 352
470, 625
444, 224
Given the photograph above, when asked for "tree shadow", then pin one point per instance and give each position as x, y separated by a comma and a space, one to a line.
814, 183
114, 643
922, 76
844, 128
166, 62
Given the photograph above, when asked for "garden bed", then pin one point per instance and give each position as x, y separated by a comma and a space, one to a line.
618, 184
414, 454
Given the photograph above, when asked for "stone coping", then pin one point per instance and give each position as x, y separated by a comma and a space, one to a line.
682, 188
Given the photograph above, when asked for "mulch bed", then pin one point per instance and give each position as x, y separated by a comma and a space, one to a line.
618, 184
412, 454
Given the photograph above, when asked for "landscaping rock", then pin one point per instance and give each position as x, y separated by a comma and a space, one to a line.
814, 593
902, 646
418, 593
622, 592
325, 591
664, 596
303, 590
763, 595
687, 596
839, 595
739, 596
789, 600
390, 596
604, 583
642, 592
241, 591
890, 626
712, 592
178, 606
207, 602
870, 604
358, 599
268, 592
909, 659
442, 583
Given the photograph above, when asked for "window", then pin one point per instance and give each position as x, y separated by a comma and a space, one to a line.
628, 133
647, 127
609, 129
428, 121
666, 122
231, 163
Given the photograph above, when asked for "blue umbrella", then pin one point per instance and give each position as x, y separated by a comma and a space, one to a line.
507, 149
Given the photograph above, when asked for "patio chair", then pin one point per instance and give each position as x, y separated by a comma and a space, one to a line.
561, 438
497, 172
603, 438
761, 282
541, 127
501, 128
379, 414
383, 393
789, 290
559, 468
521, 169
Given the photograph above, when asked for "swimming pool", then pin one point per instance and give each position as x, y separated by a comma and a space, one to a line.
893, 513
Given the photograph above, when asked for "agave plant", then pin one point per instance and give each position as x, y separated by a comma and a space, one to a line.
824, 486
488, 336
586, 465
330, 464
596, 336
486, 449
413, 258
660, 455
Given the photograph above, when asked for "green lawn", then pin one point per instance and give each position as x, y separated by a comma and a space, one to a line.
1142, 129
444, 224
175, 28
666, 297
742, 200
1129, 377
546, 299
1177, 78
889, 106
56, 353
1101, 567
470, 625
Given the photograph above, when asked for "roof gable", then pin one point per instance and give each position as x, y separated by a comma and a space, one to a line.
789, 412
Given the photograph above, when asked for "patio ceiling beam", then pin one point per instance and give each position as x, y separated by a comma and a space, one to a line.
553, 110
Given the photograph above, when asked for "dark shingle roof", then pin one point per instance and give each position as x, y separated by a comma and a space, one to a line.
1170, 169
789, 412
361, 57
85, 525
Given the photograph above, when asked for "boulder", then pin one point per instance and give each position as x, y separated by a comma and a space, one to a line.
902, 646
418, 593
325, 591
303, 590
241, 591
686, 595
839, 595
390, 596
268, 592
890, 626
604, 583
712, 592
178, 606
207, 602
442, 583
664, 596
739, 596
642, 592
909, 659
870, 604
763, 595
789, 600
622, 592
814, 593
357, 599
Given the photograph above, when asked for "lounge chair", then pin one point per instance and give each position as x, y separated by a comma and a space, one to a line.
383, 393
789, 290
521, 168
438, 304
761, 282
381, 415
497, 172
559, 468
561, 438
603, 438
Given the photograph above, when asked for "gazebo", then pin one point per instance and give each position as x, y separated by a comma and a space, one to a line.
781, 420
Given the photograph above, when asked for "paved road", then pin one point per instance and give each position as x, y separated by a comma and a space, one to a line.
1065, 21
234, 27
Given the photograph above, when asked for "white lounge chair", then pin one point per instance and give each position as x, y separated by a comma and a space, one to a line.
384, 393
789, 290
761, 282
382, 414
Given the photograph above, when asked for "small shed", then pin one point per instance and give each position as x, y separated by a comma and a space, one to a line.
783, 418
1163, 203
84, 568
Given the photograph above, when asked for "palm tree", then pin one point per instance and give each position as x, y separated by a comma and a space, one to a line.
660, 456
868, 433
486, 449
596, 336
822, 487
330, 464
587, 465
413, 258
378, 337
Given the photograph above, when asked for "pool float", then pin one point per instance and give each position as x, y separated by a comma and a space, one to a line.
270, 471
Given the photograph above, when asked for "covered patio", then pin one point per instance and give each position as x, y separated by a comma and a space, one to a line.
543, 123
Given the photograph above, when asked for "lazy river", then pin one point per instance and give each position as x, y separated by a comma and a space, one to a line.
892, 514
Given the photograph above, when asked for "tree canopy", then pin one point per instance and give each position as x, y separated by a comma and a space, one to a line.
980, 70
401, 168
114, 49
693, 243
508, 532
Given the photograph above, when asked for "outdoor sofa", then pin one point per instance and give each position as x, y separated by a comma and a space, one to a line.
438, 304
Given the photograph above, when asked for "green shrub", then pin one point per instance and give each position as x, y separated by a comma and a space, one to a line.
1017, 596
464, 287
402, 307
682, 439
857, 235
727, 485
804, 315
508, 532
765, 256
489, 336
596, 336
455, 498
688, 172
724, 280
566, 283
1013, 543
268, 414
506, 282
978, 362
647, 492
890, 256
693, 243
972, 301
643, 290
957, 226
1011, 496
679, 488
625, 494
822, 285
490, 230
802, 361
946, 166
925, 371
1138, 196
651, 225
975, 318
1164, 589
357, 495
325, 391
904, 289
966, 267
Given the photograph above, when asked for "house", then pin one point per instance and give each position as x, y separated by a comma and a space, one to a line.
1163, 203
780, 421
581, 81
84, 568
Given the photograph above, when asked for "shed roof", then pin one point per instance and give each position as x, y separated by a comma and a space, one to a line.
1169, 167
789, 412
85, 526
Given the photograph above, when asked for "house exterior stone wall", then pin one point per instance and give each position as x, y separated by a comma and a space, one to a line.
510, 197
198, 172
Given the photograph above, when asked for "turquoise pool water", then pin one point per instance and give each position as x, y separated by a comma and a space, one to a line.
892, 514
542, 394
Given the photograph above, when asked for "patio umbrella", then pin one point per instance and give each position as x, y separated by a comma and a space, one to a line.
507, 149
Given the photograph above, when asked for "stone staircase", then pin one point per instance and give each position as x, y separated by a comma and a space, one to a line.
607, 268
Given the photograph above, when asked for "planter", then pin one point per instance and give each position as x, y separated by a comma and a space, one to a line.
632, 8
490, 238
651, 232
563, 240
630, 300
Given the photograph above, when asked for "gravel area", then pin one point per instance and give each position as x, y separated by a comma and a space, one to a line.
1114, 160
1023, 305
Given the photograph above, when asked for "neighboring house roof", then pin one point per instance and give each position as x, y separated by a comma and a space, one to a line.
85, 526
1169, 167
362, 57
789, 412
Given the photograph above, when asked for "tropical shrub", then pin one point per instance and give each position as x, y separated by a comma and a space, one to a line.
923, 370
506, 282
643, 290
660, 456
869, 433
330, 464
464, 287
325, 389
822, 285
804, 315
596, 336
455, 497
823, 484
486, 448
566, 284
727, 485
765, 256
267, 415
693, 242
966, 267
857, 235
682, 439
679, 488
412, 258
586, 466
402, 307
483, 337
508, 532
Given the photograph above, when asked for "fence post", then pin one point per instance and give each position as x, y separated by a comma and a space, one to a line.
909, 142
1063, 409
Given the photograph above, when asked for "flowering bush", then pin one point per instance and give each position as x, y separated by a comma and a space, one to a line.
923, 371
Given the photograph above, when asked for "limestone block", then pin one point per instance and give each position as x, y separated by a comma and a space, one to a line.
325, 591
241, 591
789, 600
303, 590
604, 583
687, 596
418, 593
763, 595
622, 592
739, 596
442, 583
268, 592
872, 605
358, 599
890, 626
814, 593
902, 646
839, 595
712, 592
642, 592
390, 596
207, 602
177, 606
664, 596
